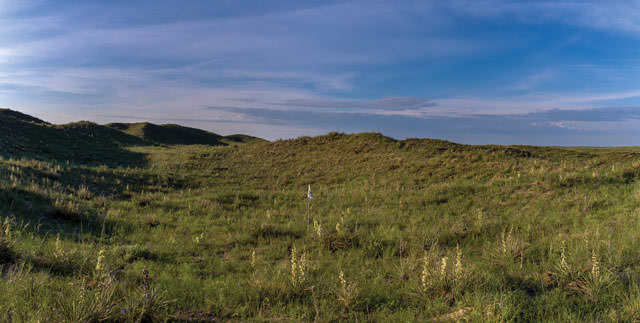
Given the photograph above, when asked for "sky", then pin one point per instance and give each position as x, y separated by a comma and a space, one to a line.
469, 71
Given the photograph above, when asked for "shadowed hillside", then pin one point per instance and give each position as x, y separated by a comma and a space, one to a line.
80, 142
88, 143
170, 134
243, 139
7, 114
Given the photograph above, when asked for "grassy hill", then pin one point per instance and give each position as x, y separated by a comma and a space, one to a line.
240, 138
81, 142
172, 134
398, 230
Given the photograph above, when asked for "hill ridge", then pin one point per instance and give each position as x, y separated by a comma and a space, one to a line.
175, 134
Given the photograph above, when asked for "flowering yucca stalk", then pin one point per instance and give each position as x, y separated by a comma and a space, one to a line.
298, 267
595, 266
318, 228
424, 280
294, 266
58, 245
253, 259
564, 266
100, 262
348, 292
443, 268
504, 243
7, 228
458, 272
309, 198
302, 267
59, 251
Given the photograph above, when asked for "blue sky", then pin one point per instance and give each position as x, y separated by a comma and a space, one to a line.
471, 71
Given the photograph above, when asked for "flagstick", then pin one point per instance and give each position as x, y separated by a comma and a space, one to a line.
308, 212
309, 197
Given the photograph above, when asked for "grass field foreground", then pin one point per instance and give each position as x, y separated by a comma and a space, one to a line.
409, 230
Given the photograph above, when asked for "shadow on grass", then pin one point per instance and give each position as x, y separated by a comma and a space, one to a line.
37, 214
82, 143
88, 183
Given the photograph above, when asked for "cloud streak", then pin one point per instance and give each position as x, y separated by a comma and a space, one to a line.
621, 16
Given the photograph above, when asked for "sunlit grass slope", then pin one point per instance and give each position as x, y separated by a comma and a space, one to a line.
413, 230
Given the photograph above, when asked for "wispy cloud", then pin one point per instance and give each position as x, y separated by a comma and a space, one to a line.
623, 16
534, 80
386, 103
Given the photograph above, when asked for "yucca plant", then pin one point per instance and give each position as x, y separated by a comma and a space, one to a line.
88, 305
148, 302
347, 292
299, 268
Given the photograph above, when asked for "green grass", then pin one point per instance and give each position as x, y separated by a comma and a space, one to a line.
537, 233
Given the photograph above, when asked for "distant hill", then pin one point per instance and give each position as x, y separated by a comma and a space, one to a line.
244, 139
7, 114
86, 142
169, 134
80, 142
173, 134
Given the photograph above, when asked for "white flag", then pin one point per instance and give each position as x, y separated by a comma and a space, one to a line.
309, 196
